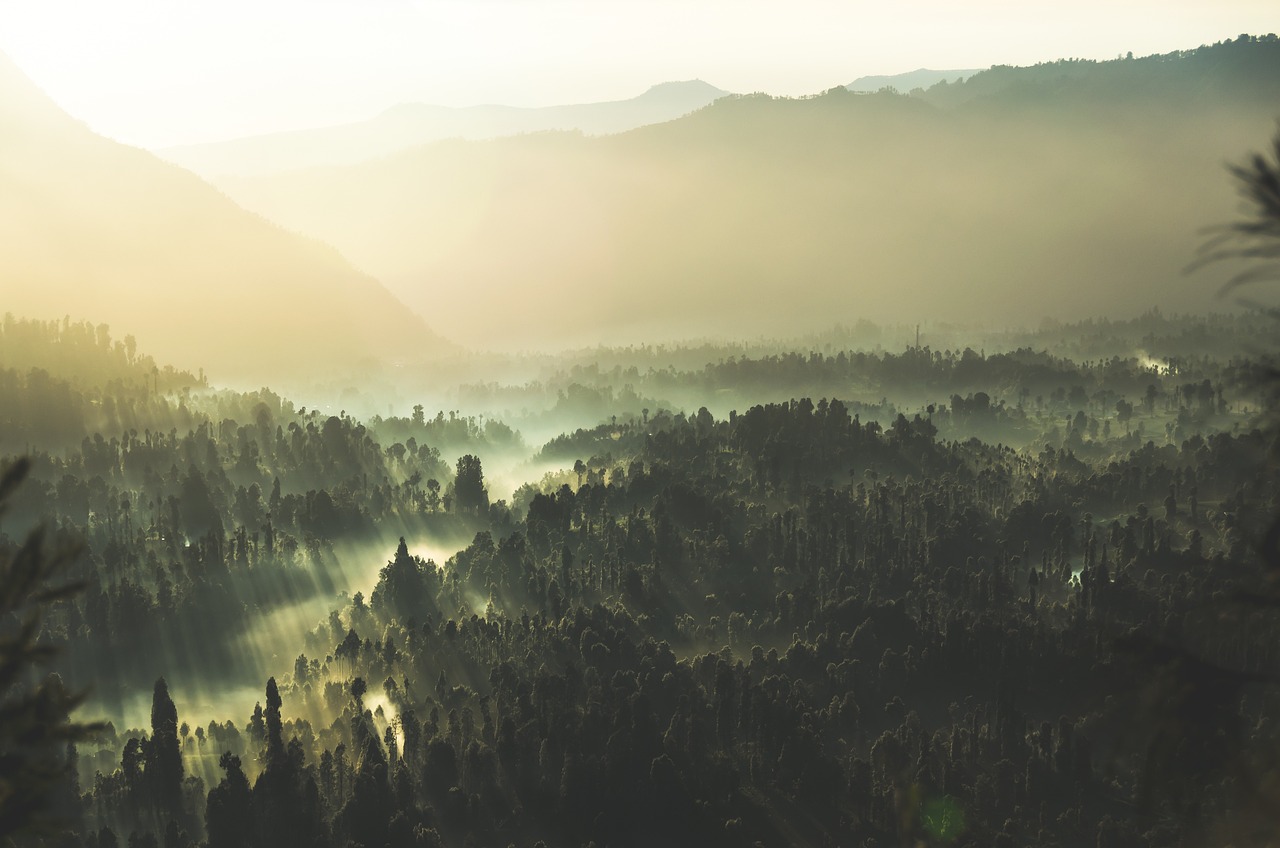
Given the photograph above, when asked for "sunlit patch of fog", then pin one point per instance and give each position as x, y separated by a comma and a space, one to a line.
197, 705
272, 641
1151, 363
268, 647
375, 701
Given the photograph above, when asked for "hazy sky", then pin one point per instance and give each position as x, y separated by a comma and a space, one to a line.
159, 72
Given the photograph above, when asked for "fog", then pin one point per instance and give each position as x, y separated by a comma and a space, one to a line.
410, 124
760, 216
1067, 190
837, 436
100, 231
266, 649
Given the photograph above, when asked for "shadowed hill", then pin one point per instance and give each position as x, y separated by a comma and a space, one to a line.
416, 123
911, 80
770, 216
94, 229
1240, 71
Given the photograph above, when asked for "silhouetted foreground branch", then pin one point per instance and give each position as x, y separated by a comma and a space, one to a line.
35, 717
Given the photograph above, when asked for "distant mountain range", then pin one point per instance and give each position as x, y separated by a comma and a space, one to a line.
97, 230
1069, 189
910, 81
412, 124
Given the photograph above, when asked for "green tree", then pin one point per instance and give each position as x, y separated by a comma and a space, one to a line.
1124, 412
469, 492
285, 798
274, 725
228, 809
164, 755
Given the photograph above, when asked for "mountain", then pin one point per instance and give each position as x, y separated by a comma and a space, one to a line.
910, 81
1240, 71
101, 231
769, 216
412, 124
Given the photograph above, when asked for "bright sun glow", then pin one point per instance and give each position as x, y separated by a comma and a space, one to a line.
156, 74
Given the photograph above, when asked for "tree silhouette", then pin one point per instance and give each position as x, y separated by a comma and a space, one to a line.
468, 486
35, 717
1255, 237
228, 810
164, 756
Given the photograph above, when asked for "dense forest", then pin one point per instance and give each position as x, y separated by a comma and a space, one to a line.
939, 575
950, 597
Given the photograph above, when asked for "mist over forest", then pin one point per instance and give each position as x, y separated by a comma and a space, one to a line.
890, 466
775, 216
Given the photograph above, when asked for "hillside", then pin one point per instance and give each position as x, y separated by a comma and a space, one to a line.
1241, 72
911, 80
704, 630
108, 233
768, 216
411, 124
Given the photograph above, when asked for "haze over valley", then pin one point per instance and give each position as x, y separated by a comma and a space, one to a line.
886, 462
763, 216
410, 124
102, 231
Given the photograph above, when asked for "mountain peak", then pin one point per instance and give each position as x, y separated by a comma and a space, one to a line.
104, 231
684, 87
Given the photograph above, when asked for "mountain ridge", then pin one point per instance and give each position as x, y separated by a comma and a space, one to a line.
670, 86
407, 125
910, 80
110, 233
949, 205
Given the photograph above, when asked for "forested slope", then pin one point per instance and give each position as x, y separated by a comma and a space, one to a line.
787, 625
